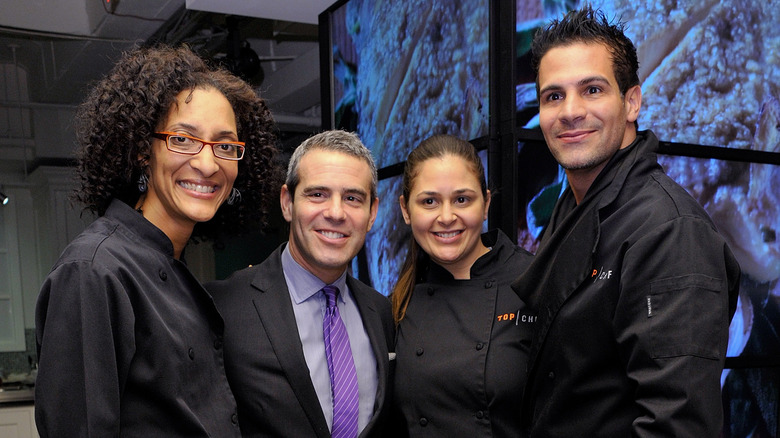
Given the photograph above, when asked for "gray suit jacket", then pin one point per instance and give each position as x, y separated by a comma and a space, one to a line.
264, 358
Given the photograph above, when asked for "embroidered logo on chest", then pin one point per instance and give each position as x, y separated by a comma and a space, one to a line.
518, 318
601, 274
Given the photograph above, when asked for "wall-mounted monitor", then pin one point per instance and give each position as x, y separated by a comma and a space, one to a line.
397, 72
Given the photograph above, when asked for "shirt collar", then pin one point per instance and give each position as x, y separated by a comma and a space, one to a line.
302, 284
144, 232
501, 249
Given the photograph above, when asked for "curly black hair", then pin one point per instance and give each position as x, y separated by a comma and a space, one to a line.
115, 124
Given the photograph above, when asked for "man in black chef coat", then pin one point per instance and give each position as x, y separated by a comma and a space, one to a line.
633, 284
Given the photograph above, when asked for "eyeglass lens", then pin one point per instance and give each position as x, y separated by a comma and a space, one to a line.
187, 145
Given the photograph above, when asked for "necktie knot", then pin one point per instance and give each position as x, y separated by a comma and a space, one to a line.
331, 293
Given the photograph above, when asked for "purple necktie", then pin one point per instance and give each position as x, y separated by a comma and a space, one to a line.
341, 367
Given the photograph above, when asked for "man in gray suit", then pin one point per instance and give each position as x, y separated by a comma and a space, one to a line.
277, 353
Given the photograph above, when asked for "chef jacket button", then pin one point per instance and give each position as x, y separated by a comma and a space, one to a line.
480, 415
488, 284
480, 346
423, 421
217, 343
419, 351
191, 353
551, 375
163, 275
234, 419
430, 291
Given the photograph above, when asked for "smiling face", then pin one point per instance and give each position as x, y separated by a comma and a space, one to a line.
583, 116
446, 211
186, 189
330, 212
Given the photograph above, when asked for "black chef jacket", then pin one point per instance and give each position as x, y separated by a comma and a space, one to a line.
462, 347
635, 289
129, 342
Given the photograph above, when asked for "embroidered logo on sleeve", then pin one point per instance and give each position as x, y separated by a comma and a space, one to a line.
649, 307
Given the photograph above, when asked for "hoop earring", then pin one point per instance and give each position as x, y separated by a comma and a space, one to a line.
143, 182
235, 197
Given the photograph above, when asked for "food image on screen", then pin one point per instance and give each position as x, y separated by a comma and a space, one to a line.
710, 76
408, 69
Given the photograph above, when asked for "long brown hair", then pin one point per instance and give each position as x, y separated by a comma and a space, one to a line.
437, 146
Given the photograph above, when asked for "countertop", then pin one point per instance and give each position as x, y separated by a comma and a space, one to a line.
16, 394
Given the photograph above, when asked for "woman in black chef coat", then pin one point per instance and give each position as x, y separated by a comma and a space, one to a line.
129, 342
463, 334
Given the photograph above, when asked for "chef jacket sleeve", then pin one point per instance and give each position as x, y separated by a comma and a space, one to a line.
85, 337
672, 326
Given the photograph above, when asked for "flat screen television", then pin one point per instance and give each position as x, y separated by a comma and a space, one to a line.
711, 93
396, 72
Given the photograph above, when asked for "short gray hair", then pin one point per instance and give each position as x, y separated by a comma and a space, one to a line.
334, 140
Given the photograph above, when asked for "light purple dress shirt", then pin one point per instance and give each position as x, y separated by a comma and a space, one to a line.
309, 307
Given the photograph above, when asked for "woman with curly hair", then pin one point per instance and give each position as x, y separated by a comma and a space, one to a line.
129, 342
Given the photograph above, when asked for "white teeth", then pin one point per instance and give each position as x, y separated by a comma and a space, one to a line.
198, 188
448, 235
332, 234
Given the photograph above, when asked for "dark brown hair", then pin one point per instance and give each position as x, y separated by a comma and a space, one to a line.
438, 146
590, 26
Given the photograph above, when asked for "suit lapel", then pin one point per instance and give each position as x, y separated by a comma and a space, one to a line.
373, 326
274, 307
